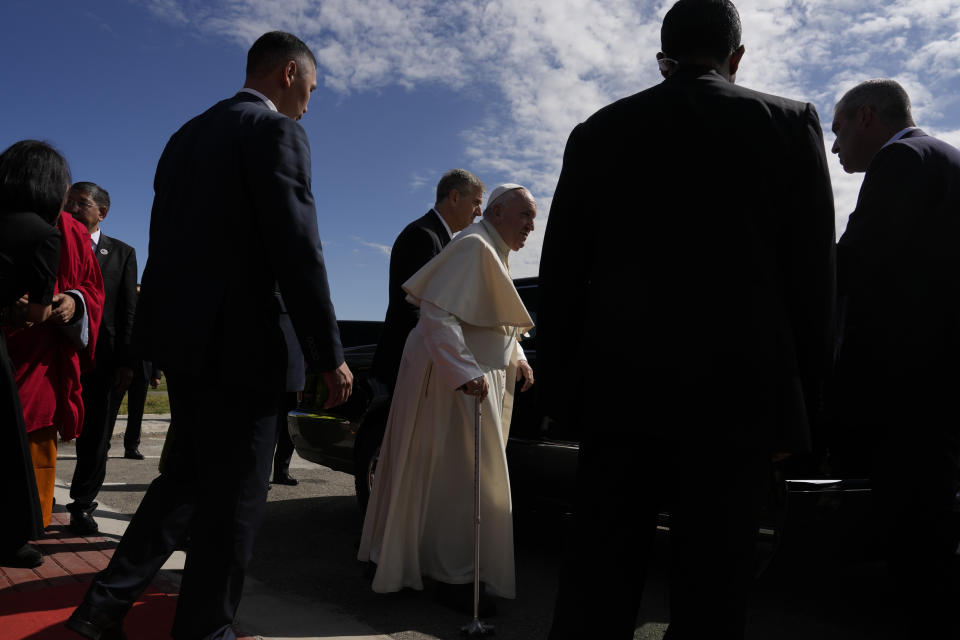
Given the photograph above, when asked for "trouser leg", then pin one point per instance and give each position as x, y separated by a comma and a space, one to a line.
281, 459
230, 489
608, 552
93, 444
714, 506
136, 400
915, 482
159, 524
43, 452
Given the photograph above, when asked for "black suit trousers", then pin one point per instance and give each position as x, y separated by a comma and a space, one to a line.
284, 453
915, 483
713, 496
100, 404
136, 401
214, 485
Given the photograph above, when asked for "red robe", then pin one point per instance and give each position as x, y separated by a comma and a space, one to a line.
47, 365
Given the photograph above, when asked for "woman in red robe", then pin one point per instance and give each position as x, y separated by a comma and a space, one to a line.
49, 357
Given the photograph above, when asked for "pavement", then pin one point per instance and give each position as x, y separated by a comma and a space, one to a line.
70, 560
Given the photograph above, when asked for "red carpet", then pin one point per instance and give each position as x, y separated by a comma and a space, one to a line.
40, 614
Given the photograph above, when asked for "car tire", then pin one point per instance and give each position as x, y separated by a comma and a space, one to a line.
367, 453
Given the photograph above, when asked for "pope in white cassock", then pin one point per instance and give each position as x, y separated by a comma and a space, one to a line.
419, 520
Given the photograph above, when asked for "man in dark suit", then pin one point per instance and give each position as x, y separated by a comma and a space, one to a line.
459, 196
695, 221
234, 181
893, 401
104, 386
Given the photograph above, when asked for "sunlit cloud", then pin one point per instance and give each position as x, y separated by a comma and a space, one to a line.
376, 246
549, 64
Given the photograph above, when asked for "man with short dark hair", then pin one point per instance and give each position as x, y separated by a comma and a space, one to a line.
234, 182
893, 400
104, 386
459, 196
721, 295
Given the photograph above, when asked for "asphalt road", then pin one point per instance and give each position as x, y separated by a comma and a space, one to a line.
307, 548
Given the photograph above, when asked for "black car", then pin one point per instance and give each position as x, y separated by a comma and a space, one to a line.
347, 438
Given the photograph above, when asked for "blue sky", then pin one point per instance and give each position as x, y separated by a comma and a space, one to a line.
411, 88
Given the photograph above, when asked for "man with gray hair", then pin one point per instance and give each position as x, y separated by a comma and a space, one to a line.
459, 196
893, 400
419, 521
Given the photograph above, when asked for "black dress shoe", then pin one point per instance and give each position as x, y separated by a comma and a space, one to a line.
133, 454
26, 557
285, 478
81, 519
94, 624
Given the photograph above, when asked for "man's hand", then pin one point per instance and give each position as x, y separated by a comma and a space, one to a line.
154, 382
526, 374
64, 306
339, 385
122, 378
476, 387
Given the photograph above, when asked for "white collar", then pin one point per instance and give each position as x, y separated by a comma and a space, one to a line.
265, 99
95, 237
899, 134
445, 225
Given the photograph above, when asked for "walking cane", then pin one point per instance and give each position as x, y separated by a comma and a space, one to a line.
476, 628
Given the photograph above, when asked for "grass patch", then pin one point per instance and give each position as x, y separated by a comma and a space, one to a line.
157, 400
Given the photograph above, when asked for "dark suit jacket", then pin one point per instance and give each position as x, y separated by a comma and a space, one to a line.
899, 281
118, 264
233, 219
416, 245
296, 375
687, 272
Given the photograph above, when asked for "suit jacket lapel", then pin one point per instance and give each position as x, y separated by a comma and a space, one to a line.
104, 247
434, 223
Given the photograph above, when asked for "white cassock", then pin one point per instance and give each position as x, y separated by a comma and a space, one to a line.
419, 520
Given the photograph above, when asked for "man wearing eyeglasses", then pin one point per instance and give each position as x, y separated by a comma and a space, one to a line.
724, 285
104, 386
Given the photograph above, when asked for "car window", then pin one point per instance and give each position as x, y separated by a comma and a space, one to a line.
528, 294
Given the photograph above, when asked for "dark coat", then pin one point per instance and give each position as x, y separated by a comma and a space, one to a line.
899, 282
296, 376
233, 219
416, 245
118, 264
687, 272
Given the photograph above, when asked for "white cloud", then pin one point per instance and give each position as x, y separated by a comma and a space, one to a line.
420, 180
553, 62
380, 248
880, 25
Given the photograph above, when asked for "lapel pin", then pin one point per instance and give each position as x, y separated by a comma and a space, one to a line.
103, 252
